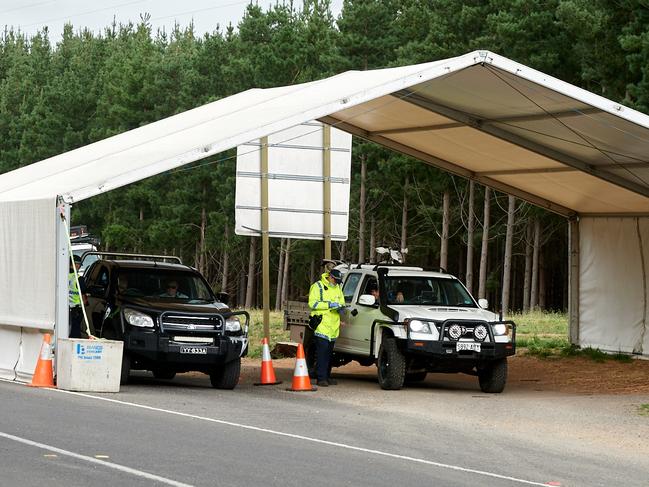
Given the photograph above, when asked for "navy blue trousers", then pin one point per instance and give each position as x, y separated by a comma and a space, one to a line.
324, 350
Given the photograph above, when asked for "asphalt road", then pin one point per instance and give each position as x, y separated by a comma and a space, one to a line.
185, 433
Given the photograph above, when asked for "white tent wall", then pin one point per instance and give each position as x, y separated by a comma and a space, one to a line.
28, 284
613, 284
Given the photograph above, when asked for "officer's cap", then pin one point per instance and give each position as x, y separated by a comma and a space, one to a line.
337, 275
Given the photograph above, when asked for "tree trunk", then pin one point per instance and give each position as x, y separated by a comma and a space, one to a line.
482, 285
372, 239
280, 274
252, 260
528, 267
469, 239
241, 291
312, 271
542, 281
200, 264
342, 250
361, 212
507, 266
285, 281
225, 261
443, 253
534, 293
404, 221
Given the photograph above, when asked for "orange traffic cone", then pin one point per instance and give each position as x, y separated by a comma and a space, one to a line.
43, 374
301, 381
267, 371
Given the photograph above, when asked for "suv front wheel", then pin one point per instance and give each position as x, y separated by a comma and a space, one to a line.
493, 376
391, 365
226, 376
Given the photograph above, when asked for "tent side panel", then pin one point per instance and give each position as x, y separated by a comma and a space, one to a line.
612, 286
10, 339
643, 227
27, 283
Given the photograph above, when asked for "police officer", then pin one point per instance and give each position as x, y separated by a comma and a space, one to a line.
326, 300
74, 301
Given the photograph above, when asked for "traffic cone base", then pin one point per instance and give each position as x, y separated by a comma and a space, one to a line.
301, 381
44, 374
267, 372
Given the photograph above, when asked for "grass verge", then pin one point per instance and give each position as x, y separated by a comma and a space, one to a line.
256, 331
545, 335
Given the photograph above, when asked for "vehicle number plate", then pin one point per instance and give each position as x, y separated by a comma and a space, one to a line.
201, 340
474, 347
194, 350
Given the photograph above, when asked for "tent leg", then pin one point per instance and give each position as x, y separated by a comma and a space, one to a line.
573, 278
62, 325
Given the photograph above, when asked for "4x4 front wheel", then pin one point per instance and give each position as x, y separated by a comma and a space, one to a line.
226, 376
391, 365
493, 376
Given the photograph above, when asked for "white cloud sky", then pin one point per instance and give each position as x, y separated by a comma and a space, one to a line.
32, 15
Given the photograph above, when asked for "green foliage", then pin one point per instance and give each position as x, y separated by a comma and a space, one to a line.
643, 409
57, 95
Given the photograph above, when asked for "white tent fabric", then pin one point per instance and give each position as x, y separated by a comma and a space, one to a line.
28, 263
27, 282
614, 260
479, 115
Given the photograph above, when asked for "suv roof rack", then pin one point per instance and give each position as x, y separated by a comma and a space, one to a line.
86, 239
155, 258
396, 265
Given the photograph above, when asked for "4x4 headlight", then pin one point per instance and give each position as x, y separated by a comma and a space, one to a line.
136, 318
419, 326
499, 329
232, 324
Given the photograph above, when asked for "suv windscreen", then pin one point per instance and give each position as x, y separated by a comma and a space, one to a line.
163, 285
427, 291
85, 263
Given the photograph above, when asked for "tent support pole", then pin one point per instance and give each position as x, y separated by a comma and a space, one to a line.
265, 243
62, 323
573, 279
326, 172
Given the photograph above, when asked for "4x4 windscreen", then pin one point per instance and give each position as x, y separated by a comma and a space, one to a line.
427, 291
164, 285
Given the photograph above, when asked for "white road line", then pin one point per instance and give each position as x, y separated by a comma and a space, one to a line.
114, 466
310, 439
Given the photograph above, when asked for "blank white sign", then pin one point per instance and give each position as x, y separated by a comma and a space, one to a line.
295, 184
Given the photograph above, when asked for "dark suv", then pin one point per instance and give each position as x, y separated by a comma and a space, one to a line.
167, 316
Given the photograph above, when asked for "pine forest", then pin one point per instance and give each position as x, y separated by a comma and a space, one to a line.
60, 94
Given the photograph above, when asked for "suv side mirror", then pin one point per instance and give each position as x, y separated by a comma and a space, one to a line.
483, 303
223, 297
366, 300
97, 290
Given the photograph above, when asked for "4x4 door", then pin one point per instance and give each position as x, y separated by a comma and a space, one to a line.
97, 288
358, 318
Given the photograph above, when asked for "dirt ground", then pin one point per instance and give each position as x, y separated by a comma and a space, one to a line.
574, 375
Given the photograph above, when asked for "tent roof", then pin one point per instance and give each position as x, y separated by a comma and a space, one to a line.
478, 115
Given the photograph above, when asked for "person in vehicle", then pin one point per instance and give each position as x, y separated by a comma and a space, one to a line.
373, 289
326, 301
172, 291
399, 298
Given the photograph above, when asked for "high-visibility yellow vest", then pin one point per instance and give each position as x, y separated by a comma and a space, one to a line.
321, 293
74, 297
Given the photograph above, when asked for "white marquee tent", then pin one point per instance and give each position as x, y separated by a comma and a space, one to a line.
479, 115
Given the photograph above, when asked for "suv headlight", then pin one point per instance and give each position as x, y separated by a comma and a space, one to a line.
419, 326
232, 324
499, 329
136, 318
